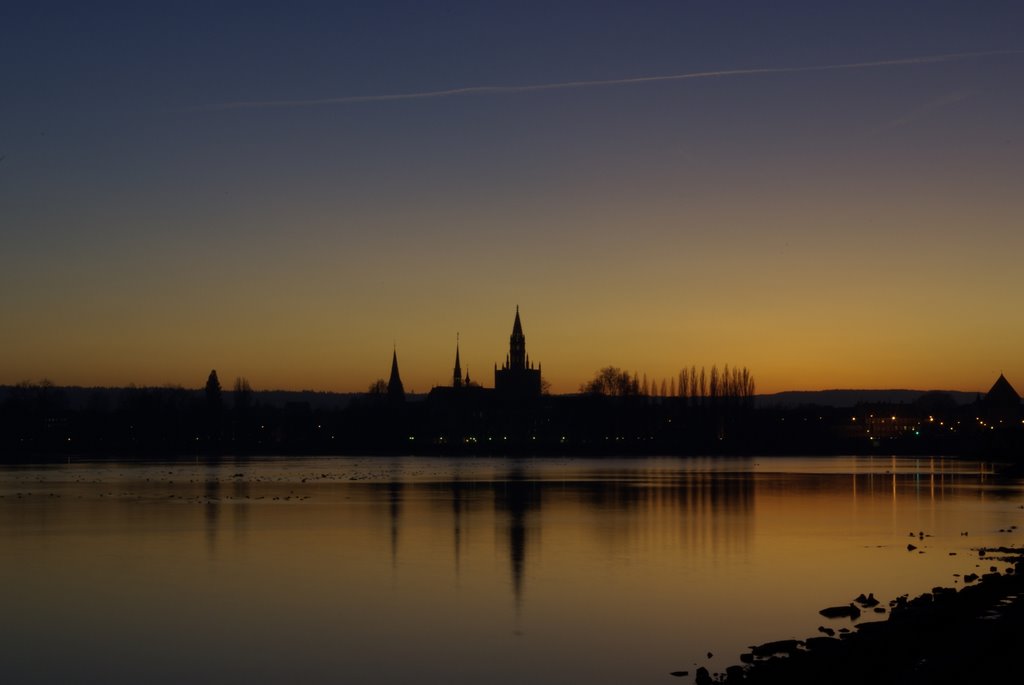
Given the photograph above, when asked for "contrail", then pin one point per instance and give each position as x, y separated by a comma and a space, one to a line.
566, 85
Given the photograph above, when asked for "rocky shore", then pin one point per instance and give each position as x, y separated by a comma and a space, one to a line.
971, 635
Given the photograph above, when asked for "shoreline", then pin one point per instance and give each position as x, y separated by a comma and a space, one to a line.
949, 635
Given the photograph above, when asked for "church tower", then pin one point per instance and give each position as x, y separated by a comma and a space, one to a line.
457, 373
517, 378
517, 345
396, 392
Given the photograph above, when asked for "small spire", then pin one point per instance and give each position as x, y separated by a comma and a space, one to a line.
457, 373
395, 389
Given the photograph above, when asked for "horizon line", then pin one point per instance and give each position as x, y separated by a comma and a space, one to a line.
175, 386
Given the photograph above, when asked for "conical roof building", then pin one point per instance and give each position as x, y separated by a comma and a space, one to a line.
1002, 394
396, 391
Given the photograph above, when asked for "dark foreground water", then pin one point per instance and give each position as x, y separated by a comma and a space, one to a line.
380, 570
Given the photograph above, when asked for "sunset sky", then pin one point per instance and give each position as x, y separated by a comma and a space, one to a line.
831, 194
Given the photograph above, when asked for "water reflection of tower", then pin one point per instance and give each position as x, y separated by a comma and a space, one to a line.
394, 490
457, 497
516, 497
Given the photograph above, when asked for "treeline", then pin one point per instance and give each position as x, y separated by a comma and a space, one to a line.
699, 386
42, 418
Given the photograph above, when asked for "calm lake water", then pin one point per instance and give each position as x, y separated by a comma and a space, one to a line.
386, 570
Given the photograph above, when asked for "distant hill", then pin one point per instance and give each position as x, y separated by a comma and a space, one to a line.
77, 398
851, 398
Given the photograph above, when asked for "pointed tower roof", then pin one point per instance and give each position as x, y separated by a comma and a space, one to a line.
395, 388
1002, 393
517, 327
457, 373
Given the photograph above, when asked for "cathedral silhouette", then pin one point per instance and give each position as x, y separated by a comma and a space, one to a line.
516, 379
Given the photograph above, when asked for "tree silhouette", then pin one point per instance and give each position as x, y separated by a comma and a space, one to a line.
214, 399
242, 394
214, 408
612, 381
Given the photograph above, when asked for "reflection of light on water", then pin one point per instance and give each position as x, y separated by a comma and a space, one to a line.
596, 569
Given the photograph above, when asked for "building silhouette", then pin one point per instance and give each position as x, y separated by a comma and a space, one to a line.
457, 379
1002, 395
396, 391
517, 378
1001, 405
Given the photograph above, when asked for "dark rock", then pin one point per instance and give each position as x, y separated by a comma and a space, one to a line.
827, 631
680, 674
776, 647
747, 657
868, 601
872, 627
911, 548
702, 677
734, 674
819, 644
879, 610
936, 637
838, 612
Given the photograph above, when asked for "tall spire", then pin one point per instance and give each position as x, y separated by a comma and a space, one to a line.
517, 345
517, 378
395, 389
457, 374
